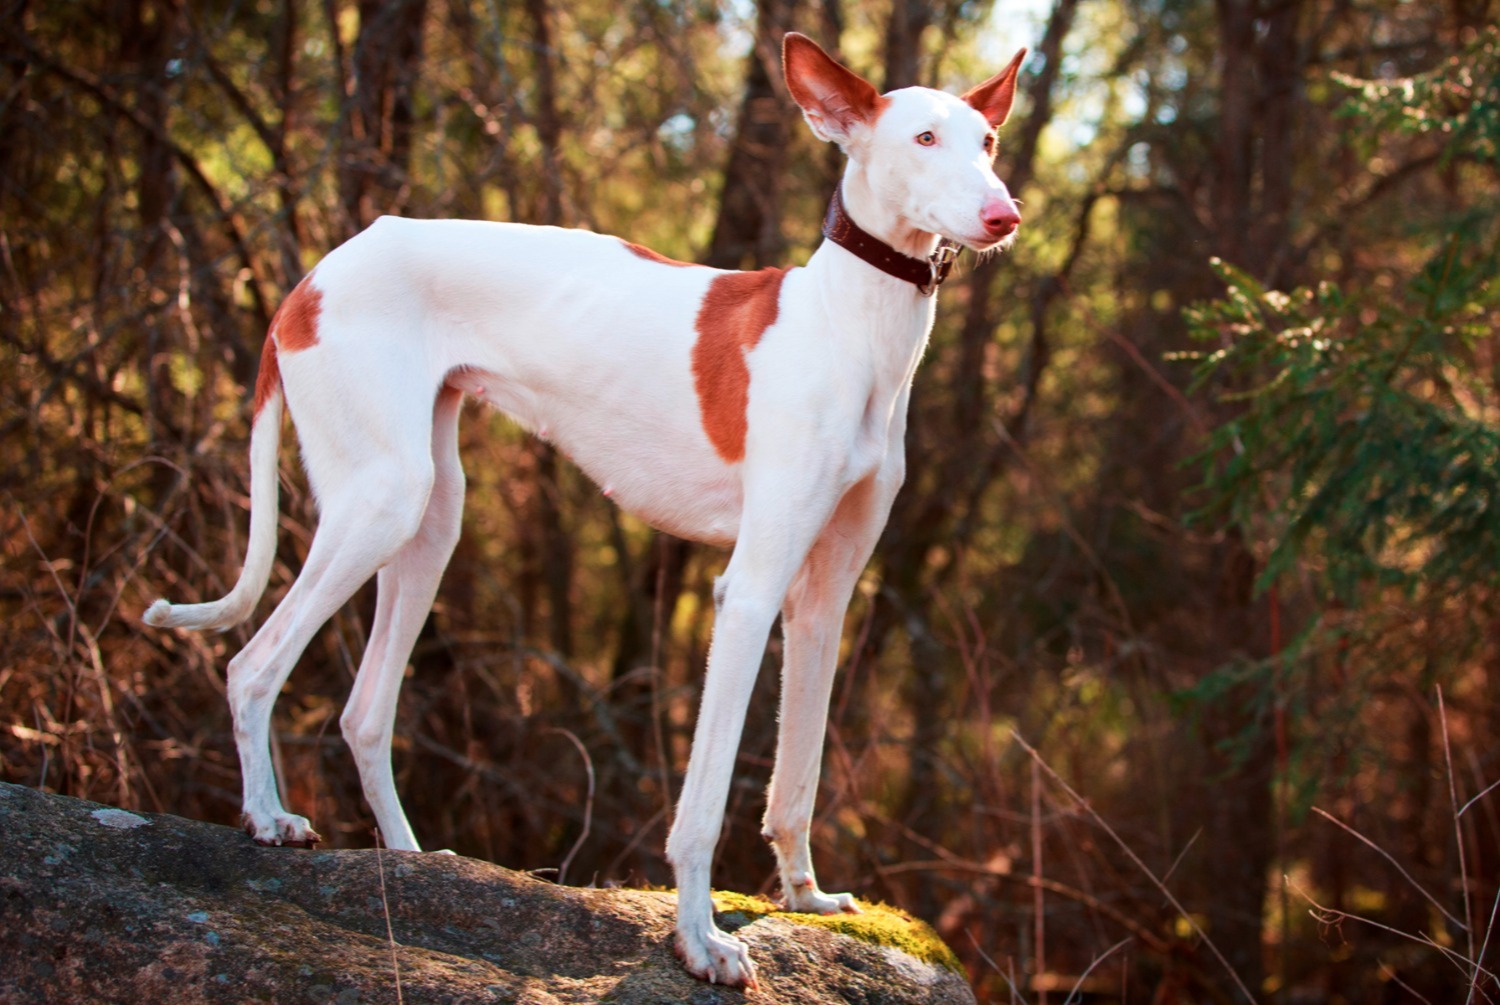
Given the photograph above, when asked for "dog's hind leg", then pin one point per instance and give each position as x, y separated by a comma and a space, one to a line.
407, 586
370, 510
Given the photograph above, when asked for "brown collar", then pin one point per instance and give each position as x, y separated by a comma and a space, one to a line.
926, 274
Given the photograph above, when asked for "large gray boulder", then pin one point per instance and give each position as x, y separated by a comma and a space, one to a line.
103, 905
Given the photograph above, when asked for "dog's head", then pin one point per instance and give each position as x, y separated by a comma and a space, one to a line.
928, 156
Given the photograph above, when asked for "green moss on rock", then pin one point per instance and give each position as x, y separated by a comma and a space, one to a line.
877, 924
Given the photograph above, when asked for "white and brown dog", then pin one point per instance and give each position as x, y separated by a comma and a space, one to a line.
760, 410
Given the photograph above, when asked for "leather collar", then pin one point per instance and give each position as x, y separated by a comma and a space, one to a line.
926, 274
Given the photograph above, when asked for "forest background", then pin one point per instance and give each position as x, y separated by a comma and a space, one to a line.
1204, 477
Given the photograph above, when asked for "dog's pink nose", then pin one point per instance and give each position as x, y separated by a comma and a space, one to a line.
999, 217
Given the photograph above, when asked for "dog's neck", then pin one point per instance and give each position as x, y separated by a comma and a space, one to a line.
891, 317
881, 318
879, 220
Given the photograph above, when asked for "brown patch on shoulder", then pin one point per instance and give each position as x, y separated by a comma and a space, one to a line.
295, 326
736, 311
640, 251
268, 381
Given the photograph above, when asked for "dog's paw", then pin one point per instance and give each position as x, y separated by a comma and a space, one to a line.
717, 958
810, 900
285, 830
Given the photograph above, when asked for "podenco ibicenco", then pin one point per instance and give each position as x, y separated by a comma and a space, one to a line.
763, 410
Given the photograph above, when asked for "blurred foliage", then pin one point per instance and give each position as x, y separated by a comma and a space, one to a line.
1366, 438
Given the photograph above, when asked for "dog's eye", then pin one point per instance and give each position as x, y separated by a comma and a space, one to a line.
926, 139
989, 143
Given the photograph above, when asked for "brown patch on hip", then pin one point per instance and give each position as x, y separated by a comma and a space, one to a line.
294, 327
736, 311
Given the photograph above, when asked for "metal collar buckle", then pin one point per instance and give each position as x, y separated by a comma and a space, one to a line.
941, 263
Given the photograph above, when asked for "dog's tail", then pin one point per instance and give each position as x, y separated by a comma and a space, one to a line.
265, 439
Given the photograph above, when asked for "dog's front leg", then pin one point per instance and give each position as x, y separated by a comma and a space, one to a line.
741, 628
774, 538
812, 620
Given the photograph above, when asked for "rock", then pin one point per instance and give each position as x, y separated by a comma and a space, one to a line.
104, 905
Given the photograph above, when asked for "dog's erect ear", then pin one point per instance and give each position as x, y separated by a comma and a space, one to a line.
834, 100
993, 98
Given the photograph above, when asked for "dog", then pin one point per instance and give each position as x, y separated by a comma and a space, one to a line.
765, 411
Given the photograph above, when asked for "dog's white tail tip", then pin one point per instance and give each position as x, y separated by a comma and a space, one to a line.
158, 615
220, 615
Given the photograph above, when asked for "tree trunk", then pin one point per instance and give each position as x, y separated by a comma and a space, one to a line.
387, 60
903, 42
544, 520
747, 233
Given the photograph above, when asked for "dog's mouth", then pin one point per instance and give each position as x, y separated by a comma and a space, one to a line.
990, 244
